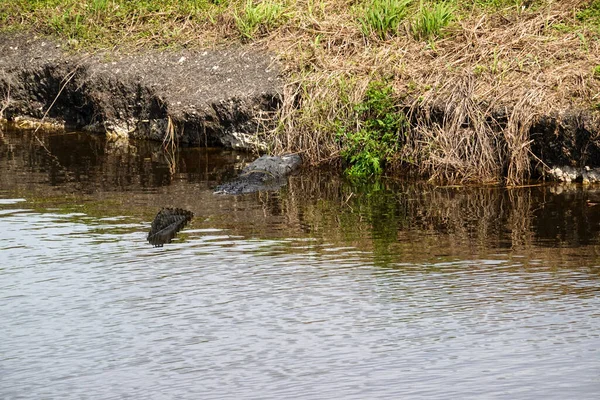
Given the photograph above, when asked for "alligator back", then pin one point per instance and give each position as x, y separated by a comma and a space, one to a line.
166, 224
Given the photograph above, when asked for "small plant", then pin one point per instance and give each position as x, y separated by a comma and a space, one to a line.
367, 149
383, 17
430, 20
596, 72
591, 14
479, 70
263, 16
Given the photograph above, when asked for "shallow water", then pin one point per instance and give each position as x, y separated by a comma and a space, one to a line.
323, 290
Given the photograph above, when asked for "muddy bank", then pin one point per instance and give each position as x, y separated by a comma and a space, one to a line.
211, 97
226, 97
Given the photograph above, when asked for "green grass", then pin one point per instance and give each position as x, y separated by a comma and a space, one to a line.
590, 16
431, 19
382, 18
585, 20
104, 23
259, 18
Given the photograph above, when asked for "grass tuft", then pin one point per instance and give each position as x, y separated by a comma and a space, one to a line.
259, 18
432, 19
382, 18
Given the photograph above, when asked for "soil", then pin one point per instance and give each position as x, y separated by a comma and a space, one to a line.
212, 97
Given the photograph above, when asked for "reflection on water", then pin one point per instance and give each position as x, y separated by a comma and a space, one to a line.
324, 290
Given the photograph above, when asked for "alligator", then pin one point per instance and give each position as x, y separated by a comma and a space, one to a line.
166, 224
264, 173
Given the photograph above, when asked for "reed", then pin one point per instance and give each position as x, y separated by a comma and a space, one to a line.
170, 146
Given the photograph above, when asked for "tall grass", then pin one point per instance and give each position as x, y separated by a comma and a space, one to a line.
383, 17
463, 126
430, 20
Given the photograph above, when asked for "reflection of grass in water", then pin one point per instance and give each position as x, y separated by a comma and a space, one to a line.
397, 219
382, 212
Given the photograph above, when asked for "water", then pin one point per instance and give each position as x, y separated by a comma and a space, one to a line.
325, 290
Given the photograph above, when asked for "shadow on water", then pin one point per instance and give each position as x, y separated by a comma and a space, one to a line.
89, 163
397, 221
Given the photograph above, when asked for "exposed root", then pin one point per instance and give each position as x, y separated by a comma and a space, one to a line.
170, 146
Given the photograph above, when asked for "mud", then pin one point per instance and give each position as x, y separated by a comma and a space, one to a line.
219, 97
569, 141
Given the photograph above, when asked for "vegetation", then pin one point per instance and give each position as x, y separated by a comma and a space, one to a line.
590, 16
378, 136
262, 17
383, 17
472, 77
432, 18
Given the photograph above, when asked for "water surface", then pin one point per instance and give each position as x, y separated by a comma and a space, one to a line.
324, 290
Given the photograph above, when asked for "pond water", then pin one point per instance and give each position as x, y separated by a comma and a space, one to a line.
324, 290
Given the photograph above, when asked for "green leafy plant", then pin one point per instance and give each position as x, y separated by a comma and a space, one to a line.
366, 149
263, 16
596, 72
591, 14
383, 17
479, 69
432, 19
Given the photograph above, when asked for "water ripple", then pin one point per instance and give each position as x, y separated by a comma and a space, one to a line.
92, 311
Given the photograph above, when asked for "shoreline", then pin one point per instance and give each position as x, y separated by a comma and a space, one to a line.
500, 95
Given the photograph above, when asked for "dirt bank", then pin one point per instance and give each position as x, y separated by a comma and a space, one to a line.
204, 97
502, 94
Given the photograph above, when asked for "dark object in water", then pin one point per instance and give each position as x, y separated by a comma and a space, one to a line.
264, 173
166, 224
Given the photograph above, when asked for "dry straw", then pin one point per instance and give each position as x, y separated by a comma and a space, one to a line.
472, 89
472, 95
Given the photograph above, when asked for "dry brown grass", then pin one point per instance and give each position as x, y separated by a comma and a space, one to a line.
492, 76
472, 95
